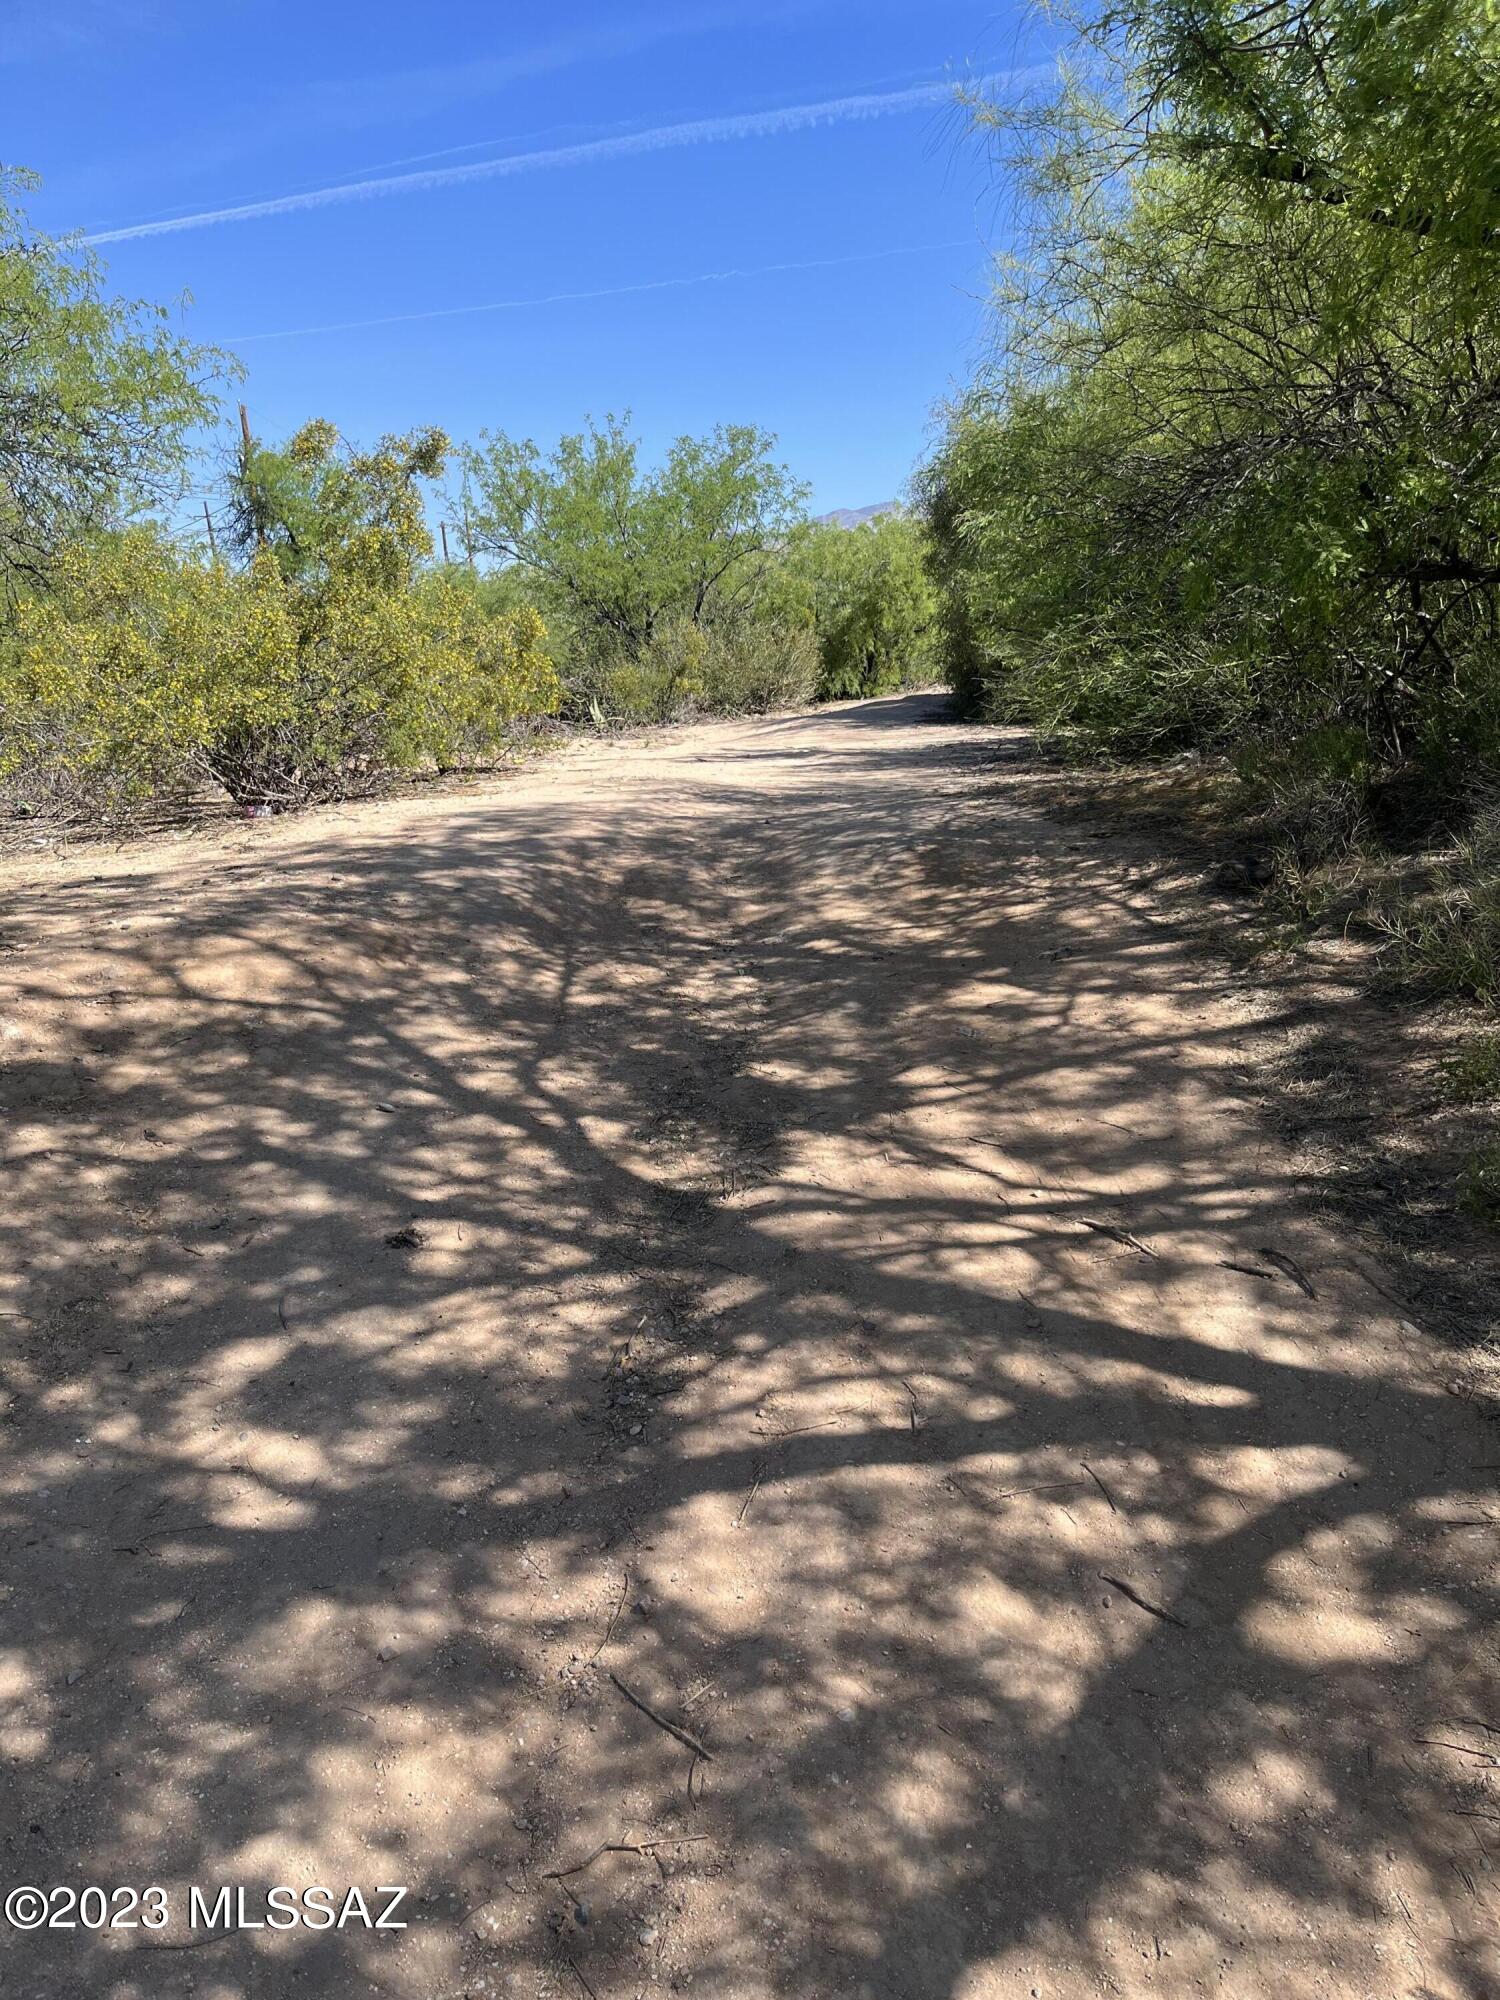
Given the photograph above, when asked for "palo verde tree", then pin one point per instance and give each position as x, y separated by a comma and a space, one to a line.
98, 397
327, 657
314, 504
625, 549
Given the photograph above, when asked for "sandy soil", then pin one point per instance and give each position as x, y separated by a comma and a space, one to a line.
762, 1219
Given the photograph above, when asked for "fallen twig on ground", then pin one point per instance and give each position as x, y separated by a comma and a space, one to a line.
1100, 1484
826, 1423
739, 1519
685, 1737
573, 1968
1128, 1590
1289, 1267
1120, 1236
604, 1847
613, 1620
1460, 1749
1051, 1486
623, 1847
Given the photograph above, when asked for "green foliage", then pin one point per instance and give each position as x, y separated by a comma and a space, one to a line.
137, 658
316, 507
697, 584
97, 397
1450, 935
1479, 1185
1472, 1076
145, 669
1382, 112
867, 595
1234, 477
327, 646
752, 664
736, 665
621, 549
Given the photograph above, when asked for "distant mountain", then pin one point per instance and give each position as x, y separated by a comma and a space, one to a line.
855, 517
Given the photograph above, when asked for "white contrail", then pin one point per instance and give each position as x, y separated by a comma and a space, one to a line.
609, 292
698, 132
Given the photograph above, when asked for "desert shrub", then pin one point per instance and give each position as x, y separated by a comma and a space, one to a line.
146, 669
750, 665
138, 663
651, 682
1472, 1074
736, 665
606, 680
476, 671
1479, 1185
1313, 793
1449, 935
866, 594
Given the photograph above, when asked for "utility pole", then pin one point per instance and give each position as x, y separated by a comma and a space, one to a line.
468, 534
208, 522
443, 531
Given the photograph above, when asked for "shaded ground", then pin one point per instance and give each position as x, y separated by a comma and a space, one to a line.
1355, 1070
764, 1216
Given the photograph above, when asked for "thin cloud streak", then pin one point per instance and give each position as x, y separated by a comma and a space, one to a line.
326, 105
608, 292
664, 138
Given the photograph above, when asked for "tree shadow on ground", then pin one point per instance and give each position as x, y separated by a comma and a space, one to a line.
770, 1224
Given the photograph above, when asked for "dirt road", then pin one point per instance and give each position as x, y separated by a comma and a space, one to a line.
762, 1220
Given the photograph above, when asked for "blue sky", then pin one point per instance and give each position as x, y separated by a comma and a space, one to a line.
570, 164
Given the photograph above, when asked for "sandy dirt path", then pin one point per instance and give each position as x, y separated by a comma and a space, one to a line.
764, 1220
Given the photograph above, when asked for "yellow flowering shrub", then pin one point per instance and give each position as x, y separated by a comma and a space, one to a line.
148, 669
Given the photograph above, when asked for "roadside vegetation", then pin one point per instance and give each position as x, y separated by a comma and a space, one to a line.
698, 584
1227, 487
301, 638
